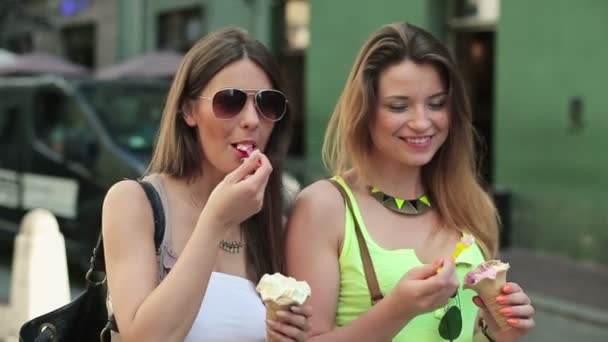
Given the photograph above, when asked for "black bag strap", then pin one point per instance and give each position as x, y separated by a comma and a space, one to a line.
157, 211
368, 266
98, 261
98, 265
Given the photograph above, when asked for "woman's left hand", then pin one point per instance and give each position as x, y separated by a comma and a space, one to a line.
517, 307
291, 325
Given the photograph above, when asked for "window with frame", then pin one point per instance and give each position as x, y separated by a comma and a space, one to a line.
58, 120
179, 30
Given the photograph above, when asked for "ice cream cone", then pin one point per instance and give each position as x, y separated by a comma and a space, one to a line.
271, 314
279, 293
488, 288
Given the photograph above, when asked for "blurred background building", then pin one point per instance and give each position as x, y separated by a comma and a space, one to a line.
535, 72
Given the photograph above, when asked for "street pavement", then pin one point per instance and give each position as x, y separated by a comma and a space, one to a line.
569, 296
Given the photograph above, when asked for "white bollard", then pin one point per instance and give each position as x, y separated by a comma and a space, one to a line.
4, 321
39, 280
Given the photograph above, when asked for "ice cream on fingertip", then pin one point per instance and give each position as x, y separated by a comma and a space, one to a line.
247, 149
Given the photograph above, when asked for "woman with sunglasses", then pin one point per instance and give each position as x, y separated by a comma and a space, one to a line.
378, 240
217, 167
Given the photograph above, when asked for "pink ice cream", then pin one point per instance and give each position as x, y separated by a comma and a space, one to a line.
247, 149
487, 280
483, 271
488, 269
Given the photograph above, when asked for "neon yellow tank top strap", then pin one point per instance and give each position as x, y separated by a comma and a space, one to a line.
390, 266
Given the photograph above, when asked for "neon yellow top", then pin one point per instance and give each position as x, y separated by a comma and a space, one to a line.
390, 266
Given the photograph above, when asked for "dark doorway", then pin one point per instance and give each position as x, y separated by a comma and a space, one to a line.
292, 43
474, 52
20, 42
79, 44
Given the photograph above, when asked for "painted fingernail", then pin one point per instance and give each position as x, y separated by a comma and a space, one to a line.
513, 321
507, 289
501, 299
506, 311
259, 163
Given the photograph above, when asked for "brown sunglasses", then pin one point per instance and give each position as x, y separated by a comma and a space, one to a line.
229, 102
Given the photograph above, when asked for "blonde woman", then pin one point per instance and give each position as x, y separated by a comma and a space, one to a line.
217, 167
400, 144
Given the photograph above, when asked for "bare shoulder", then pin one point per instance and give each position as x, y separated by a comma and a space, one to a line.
315, 232
318, 209
126, 210
126, 194
321, 198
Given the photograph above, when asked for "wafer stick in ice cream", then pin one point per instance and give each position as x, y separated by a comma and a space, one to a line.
279, 292
488, 280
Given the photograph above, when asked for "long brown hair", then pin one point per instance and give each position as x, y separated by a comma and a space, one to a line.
178, 152
451, 177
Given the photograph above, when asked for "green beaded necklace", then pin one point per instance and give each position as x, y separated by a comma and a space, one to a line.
402, 206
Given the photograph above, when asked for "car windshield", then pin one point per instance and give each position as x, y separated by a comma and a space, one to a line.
129, 110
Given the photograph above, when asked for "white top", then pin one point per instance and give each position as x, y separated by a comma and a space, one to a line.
231, 311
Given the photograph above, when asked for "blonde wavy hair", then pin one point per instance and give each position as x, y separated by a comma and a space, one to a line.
451, 177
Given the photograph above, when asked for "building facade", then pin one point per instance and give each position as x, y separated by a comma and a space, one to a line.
536, 74
83, 31
98, 33
147, 25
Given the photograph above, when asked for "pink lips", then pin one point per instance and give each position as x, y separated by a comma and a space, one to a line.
423, 142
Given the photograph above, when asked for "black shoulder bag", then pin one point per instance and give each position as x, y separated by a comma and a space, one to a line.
86, 317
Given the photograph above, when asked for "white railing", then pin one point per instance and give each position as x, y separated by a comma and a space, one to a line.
39, 275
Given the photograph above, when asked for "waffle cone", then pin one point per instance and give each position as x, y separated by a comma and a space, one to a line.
488, 289
271, 314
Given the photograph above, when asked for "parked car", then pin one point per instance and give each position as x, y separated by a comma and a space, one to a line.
64, 142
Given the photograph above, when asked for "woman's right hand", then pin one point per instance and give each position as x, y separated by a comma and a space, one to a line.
240, 194
423, 289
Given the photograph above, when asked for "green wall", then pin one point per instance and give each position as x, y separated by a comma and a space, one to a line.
547, 53
338, 28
